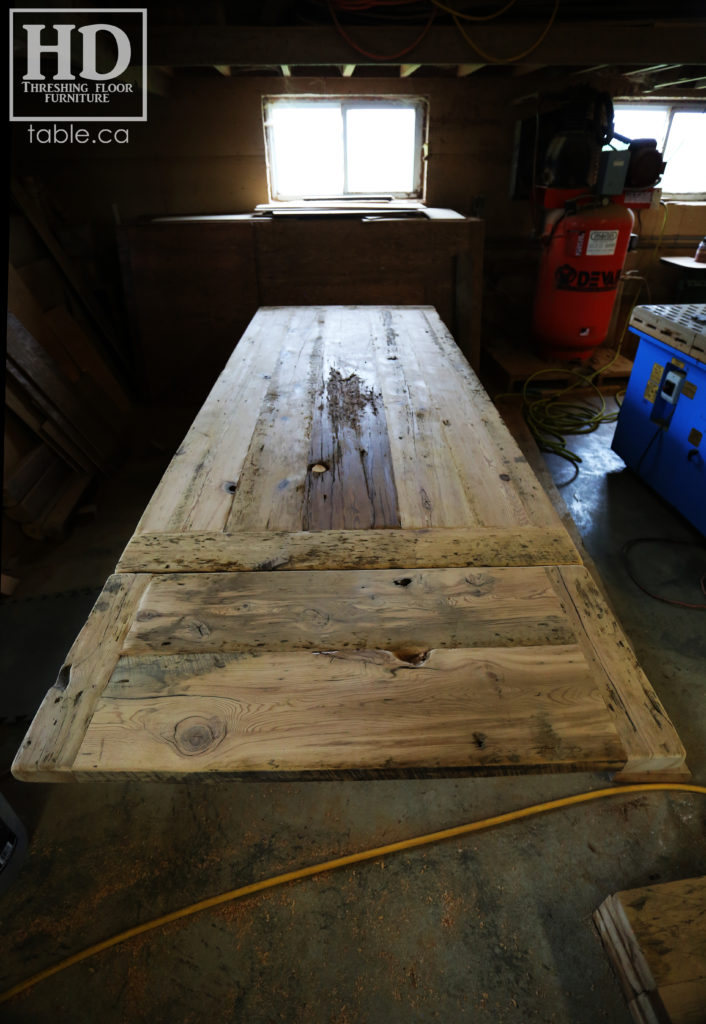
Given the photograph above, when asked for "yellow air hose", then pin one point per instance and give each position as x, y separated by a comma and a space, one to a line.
342, 862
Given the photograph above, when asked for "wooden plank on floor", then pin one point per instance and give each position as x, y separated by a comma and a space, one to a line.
656, 939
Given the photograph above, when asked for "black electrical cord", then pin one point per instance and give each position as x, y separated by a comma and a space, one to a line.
652, 440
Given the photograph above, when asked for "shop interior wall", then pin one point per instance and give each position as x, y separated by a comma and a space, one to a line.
202, 152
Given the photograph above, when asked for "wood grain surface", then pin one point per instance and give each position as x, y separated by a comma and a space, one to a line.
656, 939
348, 569
294, 712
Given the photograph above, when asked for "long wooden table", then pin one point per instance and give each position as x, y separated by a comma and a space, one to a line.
349, 569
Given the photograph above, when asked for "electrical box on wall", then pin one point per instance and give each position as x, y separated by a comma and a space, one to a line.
661, 431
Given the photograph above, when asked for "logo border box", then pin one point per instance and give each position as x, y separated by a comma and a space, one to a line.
79, 10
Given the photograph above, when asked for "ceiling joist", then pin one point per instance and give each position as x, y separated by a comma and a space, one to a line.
577, 43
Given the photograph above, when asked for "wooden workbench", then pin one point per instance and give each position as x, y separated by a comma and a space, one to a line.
349, 569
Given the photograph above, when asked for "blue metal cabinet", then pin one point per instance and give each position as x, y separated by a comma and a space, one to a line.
661, 430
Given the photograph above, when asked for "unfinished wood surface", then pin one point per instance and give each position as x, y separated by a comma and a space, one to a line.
349, 569
201, 551
49, 748
656, 940
355, 609
362, 711
643, 723
328, 418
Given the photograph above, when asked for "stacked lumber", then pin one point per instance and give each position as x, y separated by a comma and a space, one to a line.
349, 570
656, 940
511, 366
60, 393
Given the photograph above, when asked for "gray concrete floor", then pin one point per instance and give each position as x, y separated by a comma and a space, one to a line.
496, 927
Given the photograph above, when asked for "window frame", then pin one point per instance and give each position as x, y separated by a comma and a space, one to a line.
420, 104
673, 107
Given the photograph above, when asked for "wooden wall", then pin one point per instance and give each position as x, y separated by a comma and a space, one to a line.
202, 152
202, 149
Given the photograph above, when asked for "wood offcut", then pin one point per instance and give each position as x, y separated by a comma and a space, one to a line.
656, 940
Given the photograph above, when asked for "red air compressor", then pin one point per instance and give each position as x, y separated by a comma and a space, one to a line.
583, 252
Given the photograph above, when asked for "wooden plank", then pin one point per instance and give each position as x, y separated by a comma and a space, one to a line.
50, 746
248, 452
52, 525
56, 427
639, 742
48, 432
72, 272
271, 485
345, 549
645, 729
408, 611
8, 585
656, 939
46, 378
41, 496
367, 711
88, 358
455, 462
350, 482
196, 492
26, 474
515, 365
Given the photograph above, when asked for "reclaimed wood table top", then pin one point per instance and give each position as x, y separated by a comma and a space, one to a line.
348, 569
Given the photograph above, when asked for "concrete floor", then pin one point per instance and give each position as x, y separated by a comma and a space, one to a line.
495, 927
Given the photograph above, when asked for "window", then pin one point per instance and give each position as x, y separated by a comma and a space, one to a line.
681, 135
324, 147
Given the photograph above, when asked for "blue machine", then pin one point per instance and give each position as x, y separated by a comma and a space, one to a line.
661, 431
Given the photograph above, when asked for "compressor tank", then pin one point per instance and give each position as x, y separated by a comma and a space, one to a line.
583, 253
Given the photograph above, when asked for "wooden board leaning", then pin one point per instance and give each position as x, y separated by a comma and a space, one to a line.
349, 569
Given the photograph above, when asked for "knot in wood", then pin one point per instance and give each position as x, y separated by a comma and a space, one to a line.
196, 735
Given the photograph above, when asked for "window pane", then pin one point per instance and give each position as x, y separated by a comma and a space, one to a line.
642, 122
380, 146
686, 153
306, 149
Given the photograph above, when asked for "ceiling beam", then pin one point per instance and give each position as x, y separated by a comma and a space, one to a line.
651, 70
526, 69
679, 81
574, 43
